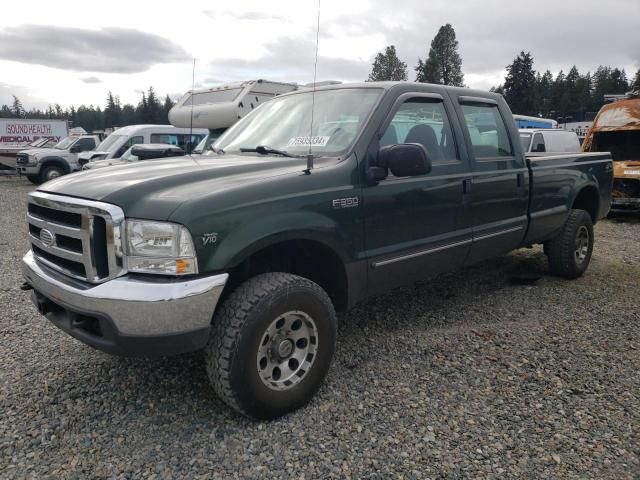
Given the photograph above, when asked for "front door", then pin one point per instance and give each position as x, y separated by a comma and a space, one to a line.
416, 227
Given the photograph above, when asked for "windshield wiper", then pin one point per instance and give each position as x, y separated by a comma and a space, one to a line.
262, 150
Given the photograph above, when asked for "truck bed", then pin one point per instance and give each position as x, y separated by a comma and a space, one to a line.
554, 182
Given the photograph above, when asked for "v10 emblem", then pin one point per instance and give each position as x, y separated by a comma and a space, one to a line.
209, 239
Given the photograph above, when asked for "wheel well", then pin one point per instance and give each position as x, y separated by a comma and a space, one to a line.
589, 201
56, 162
306, 258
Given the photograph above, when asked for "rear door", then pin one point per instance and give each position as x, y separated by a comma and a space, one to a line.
500, 178
416, 227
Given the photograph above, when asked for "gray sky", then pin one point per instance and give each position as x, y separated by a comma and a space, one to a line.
63, 54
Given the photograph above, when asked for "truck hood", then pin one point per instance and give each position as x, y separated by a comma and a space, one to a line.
45, 152
155, 191
91, 153
106, 163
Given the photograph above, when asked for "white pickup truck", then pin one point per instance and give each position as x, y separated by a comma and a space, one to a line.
43, 164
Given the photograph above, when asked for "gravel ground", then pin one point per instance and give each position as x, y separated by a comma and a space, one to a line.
494, 372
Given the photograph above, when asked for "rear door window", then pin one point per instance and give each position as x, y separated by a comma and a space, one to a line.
487, 131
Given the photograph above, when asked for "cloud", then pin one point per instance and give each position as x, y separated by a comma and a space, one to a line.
109, 49
91, 80
290, 60
26, 96
249, 16
492, 33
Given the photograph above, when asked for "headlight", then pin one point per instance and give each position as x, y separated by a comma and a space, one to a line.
159, 247
32, 159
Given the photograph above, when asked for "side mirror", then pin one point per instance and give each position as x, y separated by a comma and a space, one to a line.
76, 149
405, 159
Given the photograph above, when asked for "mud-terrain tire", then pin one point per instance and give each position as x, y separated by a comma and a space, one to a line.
271, 345
570, 251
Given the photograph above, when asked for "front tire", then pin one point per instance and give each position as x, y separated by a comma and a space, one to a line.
570, 251
50, 173
35, 179
271, 345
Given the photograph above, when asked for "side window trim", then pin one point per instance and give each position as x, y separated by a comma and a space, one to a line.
467, 100
398, 102
402, 99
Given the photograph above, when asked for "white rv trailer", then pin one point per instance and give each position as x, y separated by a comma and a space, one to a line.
218, 108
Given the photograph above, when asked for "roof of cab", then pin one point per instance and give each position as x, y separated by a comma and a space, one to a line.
401, 85
128, 130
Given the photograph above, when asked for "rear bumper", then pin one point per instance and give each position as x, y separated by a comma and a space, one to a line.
625, 203
130, 315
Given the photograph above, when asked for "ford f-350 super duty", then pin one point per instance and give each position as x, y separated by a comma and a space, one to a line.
311, 203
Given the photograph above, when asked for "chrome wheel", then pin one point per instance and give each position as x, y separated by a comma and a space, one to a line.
287, 350
582, 244
53, 173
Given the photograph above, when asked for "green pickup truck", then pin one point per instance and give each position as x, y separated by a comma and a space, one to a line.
313, 202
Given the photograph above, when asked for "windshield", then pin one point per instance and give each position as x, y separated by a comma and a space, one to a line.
107, 145
284, 122
205, 144
65, 143
216, 96
525, 140
128, 156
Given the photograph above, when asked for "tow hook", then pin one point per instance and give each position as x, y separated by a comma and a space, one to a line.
25, 286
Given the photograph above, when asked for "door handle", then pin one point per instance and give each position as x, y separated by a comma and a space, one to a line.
520, 180
466, 186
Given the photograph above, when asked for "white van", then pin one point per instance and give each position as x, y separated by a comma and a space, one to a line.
549, 140
120, 140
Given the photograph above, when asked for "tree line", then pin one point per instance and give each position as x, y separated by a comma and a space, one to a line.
150, 109
570, 96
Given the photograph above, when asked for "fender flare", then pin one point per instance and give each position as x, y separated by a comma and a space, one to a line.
58, 161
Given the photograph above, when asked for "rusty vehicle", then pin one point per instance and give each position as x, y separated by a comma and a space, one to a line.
616, 129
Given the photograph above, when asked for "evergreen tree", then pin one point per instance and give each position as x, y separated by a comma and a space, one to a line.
520, 85
5, 112
142, 111
443, 65
545, 86
154, 108
387, 66
18, 109
168, 105
636, 83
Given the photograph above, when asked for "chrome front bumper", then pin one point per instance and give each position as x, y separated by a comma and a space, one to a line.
129, 307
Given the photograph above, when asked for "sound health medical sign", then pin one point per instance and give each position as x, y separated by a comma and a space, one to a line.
17, 132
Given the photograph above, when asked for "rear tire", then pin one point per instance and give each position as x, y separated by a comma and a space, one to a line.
570, 251
271, 345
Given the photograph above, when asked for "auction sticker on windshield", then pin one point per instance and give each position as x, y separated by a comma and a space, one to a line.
317, 141
632, 172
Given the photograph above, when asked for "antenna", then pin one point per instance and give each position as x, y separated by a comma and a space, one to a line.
193, 86
313, 94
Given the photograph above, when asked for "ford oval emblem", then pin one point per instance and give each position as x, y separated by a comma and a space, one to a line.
47, 238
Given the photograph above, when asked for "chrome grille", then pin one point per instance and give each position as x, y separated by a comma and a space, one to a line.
80, 238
